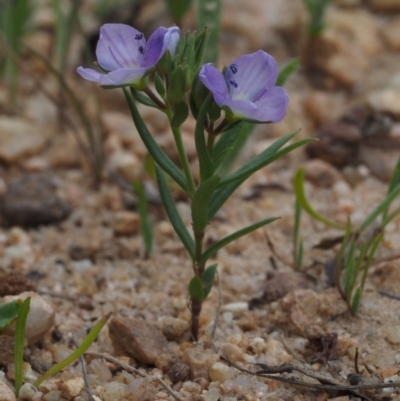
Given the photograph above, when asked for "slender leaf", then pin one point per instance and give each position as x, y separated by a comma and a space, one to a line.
394, 180
86, 343
355, 303
259, 161
158, 155
244, 134
146, 228
208, 279
205, 162
196, 290
143, 99
301, 197
339, 260
200, 201
286, 71
349, 269
19, 342
381, 207
173, 214
222, 194
178, 8
226, 140
208, 16
297, 242
228, 239
8, 313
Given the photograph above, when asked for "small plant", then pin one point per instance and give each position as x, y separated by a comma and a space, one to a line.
358, 246
316, 10
244, 91
15, 19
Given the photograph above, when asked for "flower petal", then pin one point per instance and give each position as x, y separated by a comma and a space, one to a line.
122, 77
89, 74
241, 108
161, 40
120, 46
214, 81
271, 107
249, 75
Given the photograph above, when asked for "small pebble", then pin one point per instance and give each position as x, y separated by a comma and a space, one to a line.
220, 372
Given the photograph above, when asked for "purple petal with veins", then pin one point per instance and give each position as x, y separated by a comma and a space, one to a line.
248, 88
123, 53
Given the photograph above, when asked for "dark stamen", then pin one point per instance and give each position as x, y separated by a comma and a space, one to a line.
234, 68
139, 36
233, 83
141, 49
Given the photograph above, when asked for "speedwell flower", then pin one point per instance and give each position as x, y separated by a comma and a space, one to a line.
122, 52
247, 89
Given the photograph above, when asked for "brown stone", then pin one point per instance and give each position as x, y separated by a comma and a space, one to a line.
137, 338
14, 283
321, 173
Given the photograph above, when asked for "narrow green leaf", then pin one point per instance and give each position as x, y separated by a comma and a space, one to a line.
208, 279
355, 304
221, 157
156, 152
349, 269
371, 255
395, 179
205, 163
146, 228
19, 342
263, 159
381, 207
389, 218
143, 99
178, 8
200, 201
226, 140
159, 85
225, 241
173, 213
223, 193
209, 15
297, 242
8, 313
243, 136
181, 113
339, 260
86, 343
286, 71
299, 255
177, 86
301, 197
196, 290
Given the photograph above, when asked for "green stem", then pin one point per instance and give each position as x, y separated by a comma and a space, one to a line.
210, 143
183, 156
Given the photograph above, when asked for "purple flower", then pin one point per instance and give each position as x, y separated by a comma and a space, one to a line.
247, 89
122, 52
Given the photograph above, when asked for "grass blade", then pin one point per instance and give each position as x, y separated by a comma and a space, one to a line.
86, 343
19, 342
301, 198
384, 205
